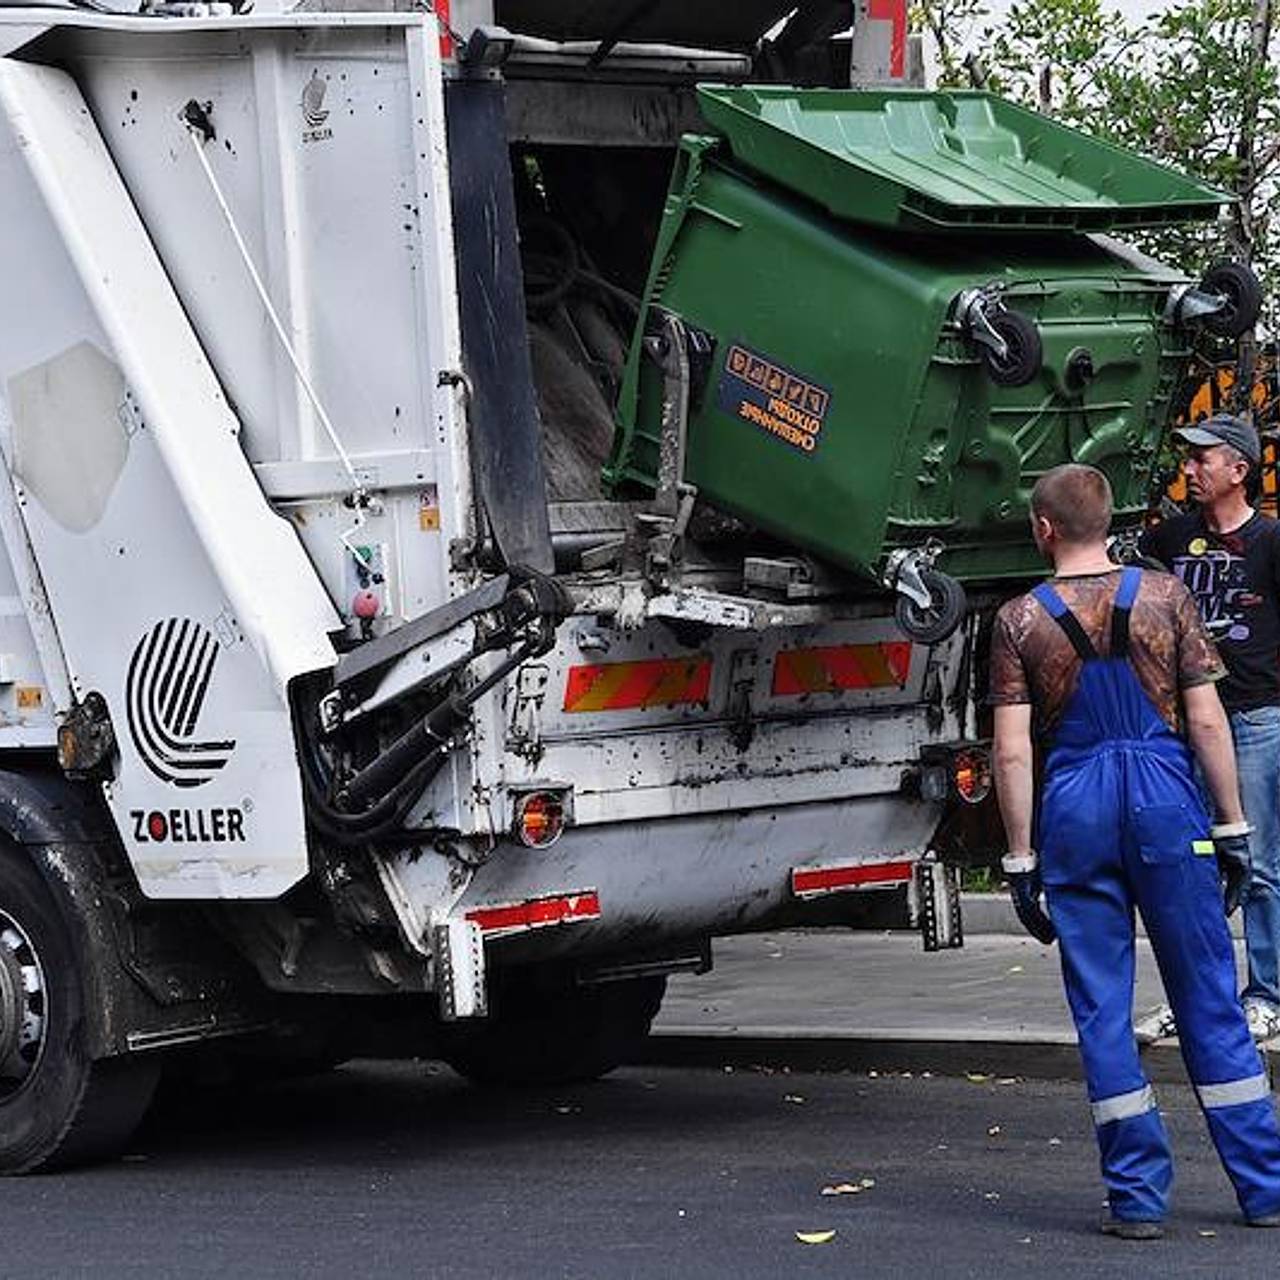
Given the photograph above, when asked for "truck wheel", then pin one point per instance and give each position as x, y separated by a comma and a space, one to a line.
1024, 355
553, 1033
945, 612
1235, 282
58, 1107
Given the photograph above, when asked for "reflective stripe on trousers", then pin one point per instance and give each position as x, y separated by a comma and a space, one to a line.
1124, 1106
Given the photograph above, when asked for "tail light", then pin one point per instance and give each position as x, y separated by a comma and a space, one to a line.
959, 770
971, 774
540, 818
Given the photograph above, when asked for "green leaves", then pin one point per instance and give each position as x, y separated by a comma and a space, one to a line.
1196, 86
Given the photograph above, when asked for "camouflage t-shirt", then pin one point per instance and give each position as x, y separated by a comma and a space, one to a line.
1033, 661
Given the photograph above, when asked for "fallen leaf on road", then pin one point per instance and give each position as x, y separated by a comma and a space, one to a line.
815, 1237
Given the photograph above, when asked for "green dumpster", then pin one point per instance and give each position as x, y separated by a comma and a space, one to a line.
897, 311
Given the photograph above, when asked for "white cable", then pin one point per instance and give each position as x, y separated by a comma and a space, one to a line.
357, 488
198, 147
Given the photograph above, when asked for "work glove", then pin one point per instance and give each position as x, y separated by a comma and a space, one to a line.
1025, 886
1231, 845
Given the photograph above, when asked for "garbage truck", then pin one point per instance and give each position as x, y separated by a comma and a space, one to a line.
484, 516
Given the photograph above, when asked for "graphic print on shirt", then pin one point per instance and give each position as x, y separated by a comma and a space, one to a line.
1217, 580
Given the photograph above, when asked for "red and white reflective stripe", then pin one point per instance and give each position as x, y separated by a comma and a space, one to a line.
536, 913
812, 882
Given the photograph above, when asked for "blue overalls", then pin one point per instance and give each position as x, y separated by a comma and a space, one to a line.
1121, 821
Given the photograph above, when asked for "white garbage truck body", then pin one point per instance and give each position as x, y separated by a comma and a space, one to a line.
315, 696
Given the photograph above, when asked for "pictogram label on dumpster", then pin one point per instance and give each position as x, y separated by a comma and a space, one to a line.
772, 397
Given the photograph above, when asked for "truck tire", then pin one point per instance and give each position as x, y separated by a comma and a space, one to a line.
58, 1106
553, 1033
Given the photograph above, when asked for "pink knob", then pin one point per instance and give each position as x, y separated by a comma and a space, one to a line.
365, 604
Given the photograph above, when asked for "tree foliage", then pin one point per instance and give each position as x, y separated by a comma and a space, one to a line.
1196, 86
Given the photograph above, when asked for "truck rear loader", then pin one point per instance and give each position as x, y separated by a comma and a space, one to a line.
454, 570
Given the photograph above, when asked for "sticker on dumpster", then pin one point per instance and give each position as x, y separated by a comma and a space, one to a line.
772, 397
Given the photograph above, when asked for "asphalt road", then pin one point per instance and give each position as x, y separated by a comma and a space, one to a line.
402, 1170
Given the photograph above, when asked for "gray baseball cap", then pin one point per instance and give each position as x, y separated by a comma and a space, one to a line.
1224, 428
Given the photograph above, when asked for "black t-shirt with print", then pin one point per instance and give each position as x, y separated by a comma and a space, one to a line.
1235, 579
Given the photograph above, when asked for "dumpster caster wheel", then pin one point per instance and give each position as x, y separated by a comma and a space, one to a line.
1024, 352
1240, 287
933, 623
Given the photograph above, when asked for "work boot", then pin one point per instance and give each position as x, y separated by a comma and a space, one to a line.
1132, 1229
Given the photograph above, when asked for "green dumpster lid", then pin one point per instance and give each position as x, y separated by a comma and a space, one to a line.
925, 161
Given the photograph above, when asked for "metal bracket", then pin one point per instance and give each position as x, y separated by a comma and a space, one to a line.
937, 891
457, 947
663, 548
971, 315
674, 499
1187, 304
902, 571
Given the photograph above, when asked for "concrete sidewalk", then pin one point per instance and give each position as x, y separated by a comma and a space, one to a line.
993, 913
837, 999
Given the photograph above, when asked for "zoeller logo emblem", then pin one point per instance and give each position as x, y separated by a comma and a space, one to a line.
169, 676
314, 112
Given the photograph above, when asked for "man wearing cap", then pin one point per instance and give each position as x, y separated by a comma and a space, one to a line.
1228, 556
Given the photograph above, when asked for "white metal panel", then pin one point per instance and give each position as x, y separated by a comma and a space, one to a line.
332, 154
746, 745
690, 876
342, 198
176, 592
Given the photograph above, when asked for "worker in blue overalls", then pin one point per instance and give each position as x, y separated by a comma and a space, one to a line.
1116, 665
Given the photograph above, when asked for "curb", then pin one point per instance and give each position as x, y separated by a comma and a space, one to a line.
1037, 1057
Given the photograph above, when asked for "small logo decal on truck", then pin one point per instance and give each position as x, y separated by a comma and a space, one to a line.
314, 112
169, 676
